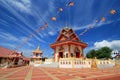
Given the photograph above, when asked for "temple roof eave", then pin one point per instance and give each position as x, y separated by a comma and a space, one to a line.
69, 42
35, 57
37, 51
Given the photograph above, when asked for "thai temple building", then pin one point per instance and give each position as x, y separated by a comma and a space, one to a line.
37, 56
68, 45
69, 52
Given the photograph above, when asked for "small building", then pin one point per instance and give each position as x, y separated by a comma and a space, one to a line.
68, 45
115, 54
11, 58
37, 56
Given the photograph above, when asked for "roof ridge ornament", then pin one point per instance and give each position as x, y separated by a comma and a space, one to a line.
38, 48
66, 28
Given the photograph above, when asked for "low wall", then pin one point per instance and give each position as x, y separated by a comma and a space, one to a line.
84, 63
74, 63
49, 61
105, 63
36, 63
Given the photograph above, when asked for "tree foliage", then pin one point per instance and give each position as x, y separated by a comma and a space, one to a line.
104, 52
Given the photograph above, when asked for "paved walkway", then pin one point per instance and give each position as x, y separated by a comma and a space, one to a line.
38, 73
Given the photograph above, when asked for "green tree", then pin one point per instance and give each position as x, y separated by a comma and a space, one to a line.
104, 52
91, 54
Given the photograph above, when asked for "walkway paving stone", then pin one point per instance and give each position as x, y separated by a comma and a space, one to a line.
40, 73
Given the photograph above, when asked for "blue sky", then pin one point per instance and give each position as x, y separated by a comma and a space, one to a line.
21, 18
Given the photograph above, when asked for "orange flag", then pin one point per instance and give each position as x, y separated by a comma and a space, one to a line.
71, 4
41, 28
103, 19
112, 11
54, 18
46, 24
37, 31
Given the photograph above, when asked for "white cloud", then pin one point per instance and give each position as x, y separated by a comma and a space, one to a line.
115, 44
39, 39
23, 5
8, 40
94, 24
51, 33
3, 22
6, 36
26, 51
8, 5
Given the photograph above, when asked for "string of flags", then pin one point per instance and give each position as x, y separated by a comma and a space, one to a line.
69, 4
60, 10
32, 35
90, 27
103, 19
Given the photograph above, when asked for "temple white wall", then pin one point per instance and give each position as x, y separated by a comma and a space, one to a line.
66, 49
72, 47
57, 51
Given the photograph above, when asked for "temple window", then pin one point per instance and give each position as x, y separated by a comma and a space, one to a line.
37, 55
71, 54
66, 55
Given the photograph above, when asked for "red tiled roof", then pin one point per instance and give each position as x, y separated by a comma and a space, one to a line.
25, 58
4, 52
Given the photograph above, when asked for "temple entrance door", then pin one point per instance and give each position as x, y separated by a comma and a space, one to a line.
77, 55
60, 54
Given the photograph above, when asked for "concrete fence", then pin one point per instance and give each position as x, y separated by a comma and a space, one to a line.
84, 63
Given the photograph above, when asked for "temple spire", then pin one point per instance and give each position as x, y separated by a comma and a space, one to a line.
66, 25
38, 48
66, 28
